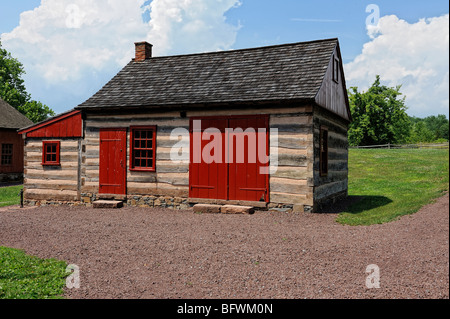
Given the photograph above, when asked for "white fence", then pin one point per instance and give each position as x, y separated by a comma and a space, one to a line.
395, 146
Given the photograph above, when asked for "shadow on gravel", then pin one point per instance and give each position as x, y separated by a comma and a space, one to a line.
356, 204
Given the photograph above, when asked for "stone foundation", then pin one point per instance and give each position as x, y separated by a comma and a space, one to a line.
87, 200
330, 200
176, 203
11, 178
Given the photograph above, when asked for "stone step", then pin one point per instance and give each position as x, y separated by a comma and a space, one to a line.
234, 209
224, 209
207, 209
108, 204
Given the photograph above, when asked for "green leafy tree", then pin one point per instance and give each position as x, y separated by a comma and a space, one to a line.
12, 89
429, 129
439, 125
421, 134
379, 116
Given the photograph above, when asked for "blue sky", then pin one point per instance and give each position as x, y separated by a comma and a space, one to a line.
71, 48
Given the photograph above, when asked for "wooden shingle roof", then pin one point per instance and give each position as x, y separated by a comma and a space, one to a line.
10, 118
277, 73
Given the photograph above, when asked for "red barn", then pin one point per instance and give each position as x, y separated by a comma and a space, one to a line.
11, 143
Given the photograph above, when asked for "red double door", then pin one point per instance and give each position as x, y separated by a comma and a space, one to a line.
113, 168
229, 158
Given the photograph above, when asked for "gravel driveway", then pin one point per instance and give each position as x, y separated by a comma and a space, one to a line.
157, 253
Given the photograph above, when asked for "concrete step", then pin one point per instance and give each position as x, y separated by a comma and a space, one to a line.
108, 204
223, 209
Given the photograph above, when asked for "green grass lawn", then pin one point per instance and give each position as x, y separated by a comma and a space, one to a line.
10, 195
28, 277
393, 183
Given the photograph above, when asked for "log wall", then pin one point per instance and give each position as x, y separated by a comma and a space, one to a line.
295, 179
170, 179
335, 184
290, 182
52, 183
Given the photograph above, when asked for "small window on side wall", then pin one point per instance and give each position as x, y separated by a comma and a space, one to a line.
143, 148
7, 154
323, 151
336, 69
50, 153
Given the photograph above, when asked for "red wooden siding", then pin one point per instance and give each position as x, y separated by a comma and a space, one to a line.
11, 137
65, 125
228, 179
113, 155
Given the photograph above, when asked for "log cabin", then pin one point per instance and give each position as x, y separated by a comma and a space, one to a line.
263, 127
11, 143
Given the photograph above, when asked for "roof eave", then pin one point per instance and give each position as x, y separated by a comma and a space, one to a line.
181, 106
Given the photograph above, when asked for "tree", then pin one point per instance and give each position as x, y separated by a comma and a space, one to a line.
379, 116
421, 134
438, 125
12, 89
429, 129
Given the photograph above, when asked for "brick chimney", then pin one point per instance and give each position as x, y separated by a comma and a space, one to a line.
143, 51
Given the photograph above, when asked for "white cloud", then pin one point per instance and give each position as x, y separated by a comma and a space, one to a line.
61, 40
179, 26
65, 44
414, 55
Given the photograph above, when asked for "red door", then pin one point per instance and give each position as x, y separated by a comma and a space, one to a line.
113, 146
208, 176
237, 175
245, 179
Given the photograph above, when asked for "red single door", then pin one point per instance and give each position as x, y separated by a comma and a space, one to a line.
113, 146
249, 149
208, 172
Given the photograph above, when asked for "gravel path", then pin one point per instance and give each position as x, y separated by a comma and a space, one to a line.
157, 253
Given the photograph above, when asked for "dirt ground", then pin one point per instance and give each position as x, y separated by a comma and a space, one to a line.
158, 253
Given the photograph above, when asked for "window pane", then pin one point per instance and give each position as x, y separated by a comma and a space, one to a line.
142, 151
